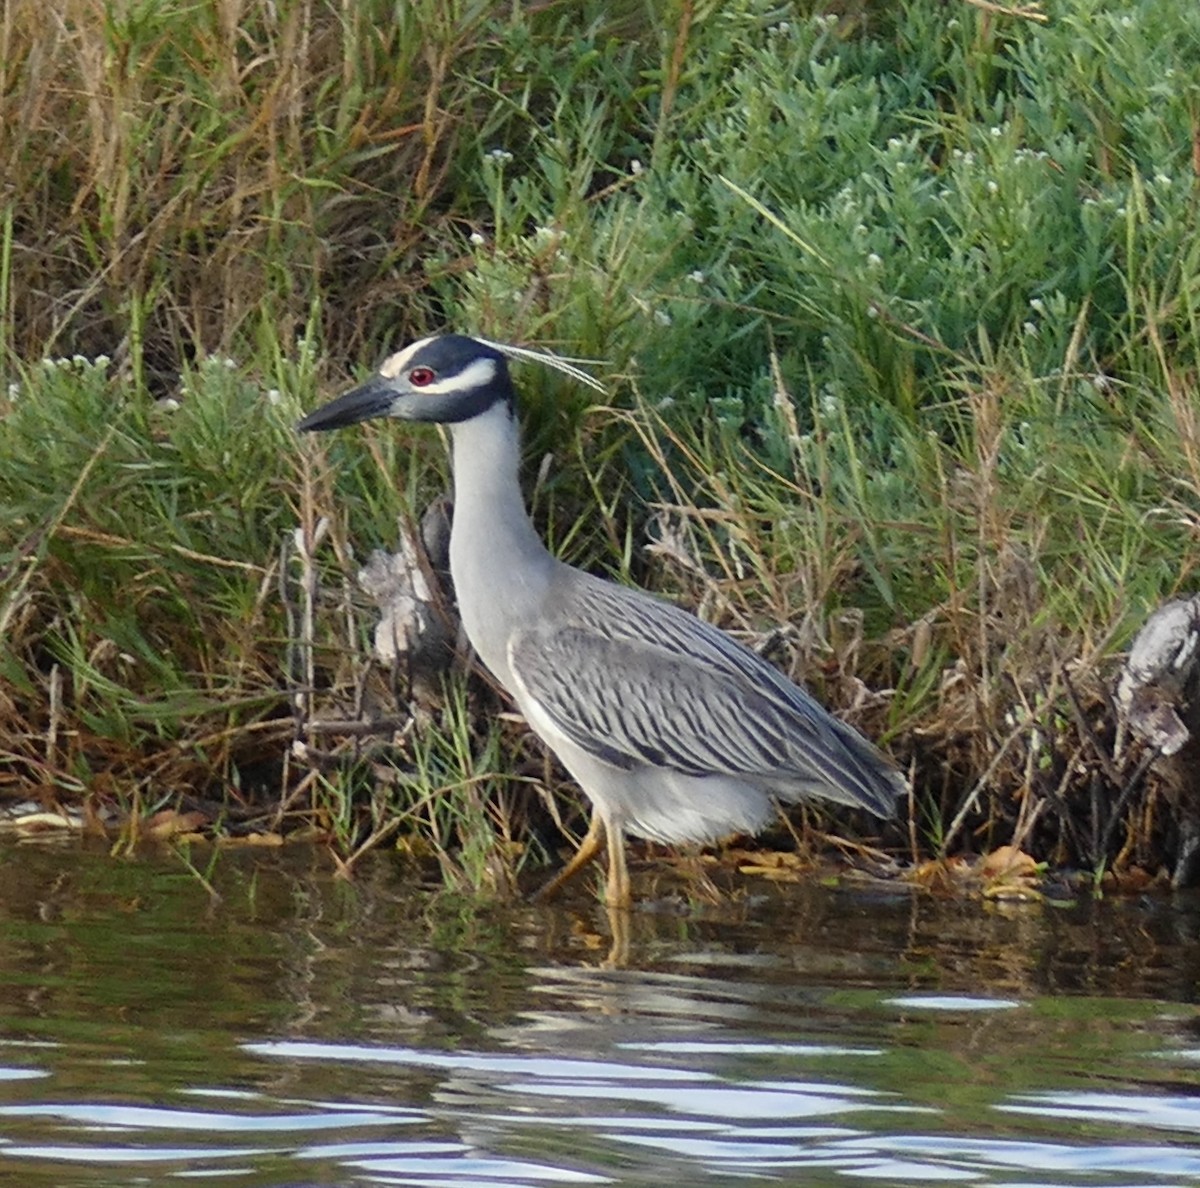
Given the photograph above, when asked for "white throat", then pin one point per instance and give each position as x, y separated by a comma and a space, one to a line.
500, 567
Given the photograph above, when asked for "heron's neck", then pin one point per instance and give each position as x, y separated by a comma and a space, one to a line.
499, 565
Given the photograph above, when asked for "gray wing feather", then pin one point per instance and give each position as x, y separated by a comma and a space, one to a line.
639, 682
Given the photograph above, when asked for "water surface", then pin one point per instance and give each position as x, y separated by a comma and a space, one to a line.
300, 1031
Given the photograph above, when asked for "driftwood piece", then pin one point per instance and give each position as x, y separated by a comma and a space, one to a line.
1157, 695
418, 625
1157, 687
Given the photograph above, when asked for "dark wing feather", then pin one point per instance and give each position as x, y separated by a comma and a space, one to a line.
635, 681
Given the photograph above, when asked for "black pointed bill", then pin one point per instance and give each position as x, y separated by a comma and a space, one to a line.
373, 399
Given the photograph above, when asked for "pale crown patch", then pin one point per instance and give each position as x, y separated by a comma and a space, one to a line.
396, 364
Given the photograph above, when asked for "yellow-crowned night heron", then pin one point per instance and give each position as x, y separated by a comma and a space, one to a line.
676, 732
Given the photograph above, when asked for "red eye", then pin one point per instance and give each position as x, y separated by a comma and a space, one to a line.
421, 377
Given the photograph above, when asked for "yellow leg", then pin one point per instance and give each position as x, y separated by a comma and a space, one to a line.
588, 849
617, 894
618, 953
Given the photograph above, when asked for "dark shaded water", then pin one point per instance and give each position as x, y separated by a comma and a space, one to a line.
299, 1031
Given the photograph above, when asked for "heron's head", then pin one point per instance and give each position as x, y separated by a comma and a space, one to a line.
446, 380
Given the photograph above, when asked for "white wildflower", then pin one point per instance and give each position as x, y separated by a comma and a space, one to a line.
477, 239
874, 260
697, 277
635, 167
274, 396
1030, 329
993, 187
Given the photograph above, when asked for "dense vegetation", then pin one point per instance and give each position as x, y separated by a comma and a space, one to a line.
897, 306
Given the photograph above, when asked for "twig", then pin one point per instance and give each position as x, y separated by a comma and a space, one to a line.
1026, 12
674, 72
1085, 729
36, 542
55, 716
290, 615
1100, 842
359, 728
307, 545
77, 532
1118, 808
980, 784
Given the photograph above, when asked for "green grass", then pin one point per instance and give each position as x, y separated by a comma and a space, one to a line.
897, 305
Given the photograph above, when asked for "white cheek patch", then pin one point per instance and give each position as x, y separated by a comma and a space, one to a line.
477, 375
395, 364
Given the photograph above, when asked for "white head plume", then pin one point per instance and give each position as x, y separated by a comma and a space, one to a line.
547, 359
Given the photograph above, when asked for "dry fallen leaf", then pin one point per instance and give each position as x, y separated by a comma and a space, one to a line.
253, 839
40, 822
1130, 879
780, 874
943, 874
170, 823
1007, 862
